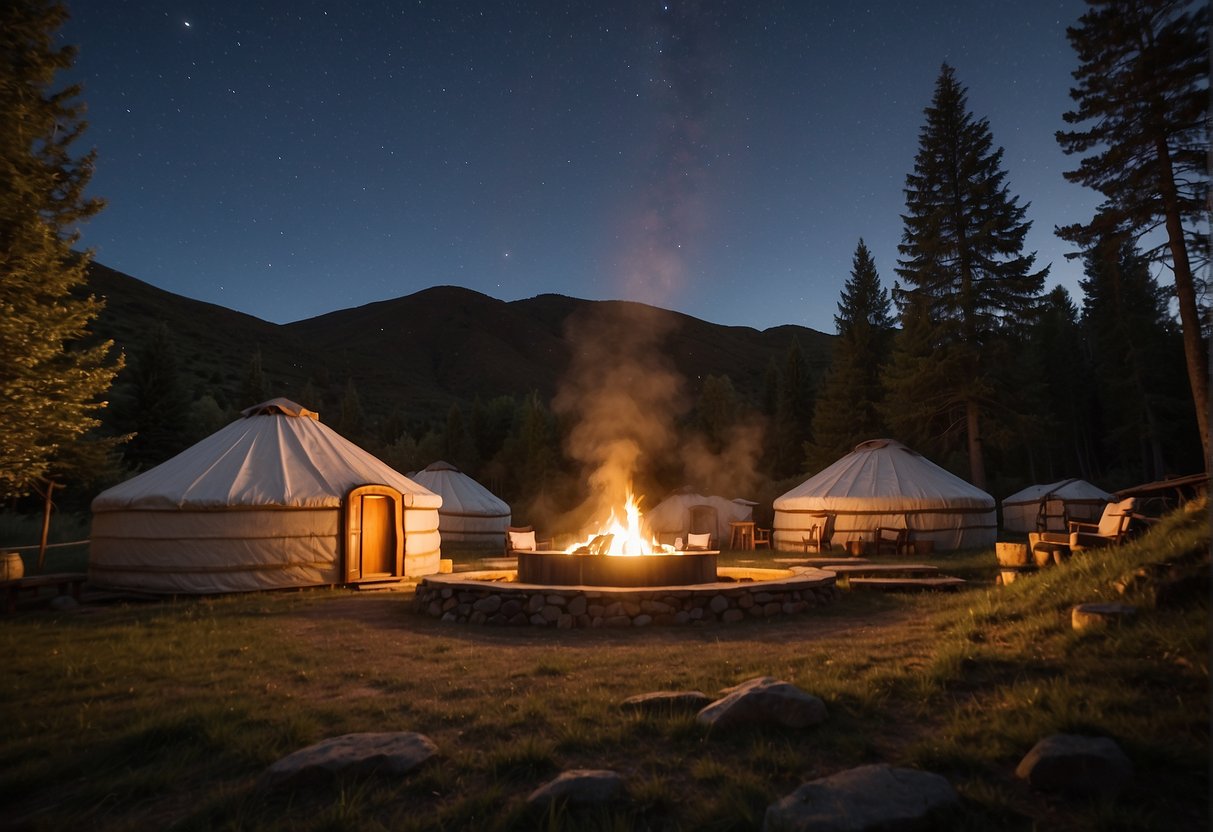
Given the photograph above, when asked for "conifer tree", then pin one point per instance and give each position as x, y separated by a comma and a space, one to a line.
155, 410
1143, 97
254, 389
1135, 352
51, 378
963, 265
847, 410
793, 412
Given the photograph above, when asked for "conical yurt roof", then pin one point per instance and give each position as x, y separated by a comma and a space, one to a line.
460, 493
277, 454
883, 475
1074, 489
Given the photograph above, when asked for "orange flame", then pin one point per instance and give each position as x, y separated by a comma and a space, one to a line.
622, 537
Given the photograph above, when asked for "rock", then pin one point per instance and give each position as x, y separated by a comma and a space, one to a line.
63, 603
1085, 616
1076, 765
859, 799
763, 701
665, 702
580, 787
390, 753
488, 604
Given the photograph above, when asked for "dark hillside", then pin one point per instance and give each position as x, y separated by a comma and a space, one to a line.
417, 354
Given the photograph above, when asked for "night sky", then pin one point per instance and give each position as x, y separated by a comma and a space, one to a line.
722, 159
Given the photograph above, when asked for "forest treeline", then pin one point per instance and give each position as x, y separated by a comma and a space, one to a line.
970, 358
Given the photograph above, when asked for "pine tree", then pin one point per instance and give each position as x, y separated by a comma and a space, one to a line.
848, 407
51, 378
1059, 382
1135, 356
254, 389
155, 410
793, 412
1143, 93
963, 264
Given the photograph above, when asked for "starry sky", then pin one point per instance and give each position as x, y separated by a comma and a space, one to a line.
722, 159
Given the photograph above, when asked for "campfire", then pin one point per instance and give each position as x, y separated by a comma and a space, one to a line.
630, 558
622, 537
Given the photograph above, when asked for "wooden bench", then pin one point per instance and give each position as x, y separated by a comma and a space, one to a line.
66, 582
942, 582
907, 570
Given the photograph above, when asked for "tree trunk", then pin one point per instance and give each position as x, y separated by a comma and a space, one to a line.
977, 464
1185, 293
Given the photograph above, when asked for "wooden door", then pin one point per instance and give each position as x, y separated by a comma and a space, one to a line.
374, 534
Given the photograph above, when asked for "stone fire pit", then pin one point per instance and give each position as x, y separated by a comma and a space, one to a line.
498, 598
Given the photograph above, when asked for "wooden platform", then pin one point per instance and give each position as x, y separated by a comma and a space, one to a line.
941, 582
67, 583
908, 570
822, 563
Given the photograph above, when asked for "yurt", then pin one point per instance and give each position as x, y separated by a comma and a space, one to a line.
686, 511
884, 484
471, 515
1080, 501
275, 499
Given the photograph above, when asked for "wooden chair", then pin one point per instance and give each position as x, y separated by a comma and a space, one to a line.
762, 537
892, 541
1052, 516
1111, 530
820, 533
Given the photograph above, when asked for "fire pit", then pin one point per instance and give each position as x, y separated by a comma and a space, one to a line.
563, 569
618, 577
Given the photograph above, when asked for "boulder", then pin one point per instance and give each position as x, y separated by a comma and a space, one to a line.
875, 797
390, 753
580, 787
1076, 765
1086, 616
666, 702
763, 701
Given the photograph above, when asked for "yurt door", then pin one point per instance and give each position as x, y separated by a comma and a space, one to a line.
374, 535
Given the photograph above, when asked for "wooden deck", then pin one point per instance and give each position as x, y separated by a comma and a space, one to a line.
940, 582
67, 583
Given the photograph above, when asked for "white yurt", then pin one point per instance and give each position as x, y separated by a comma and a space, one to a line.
1082, 501
687, 511
471, 515
884, 484
275, 499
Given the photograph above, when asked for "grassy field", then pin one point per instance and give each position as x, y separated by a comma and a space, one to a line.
156, 715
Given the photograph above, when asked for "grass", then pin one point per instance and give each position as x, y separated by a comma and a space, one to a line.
130, 717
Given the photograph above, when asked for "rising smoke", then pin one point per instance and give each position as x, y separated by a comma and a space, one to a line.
622, 394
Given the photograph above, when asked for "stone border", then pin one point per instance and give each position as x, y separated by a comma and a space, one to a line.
494, 598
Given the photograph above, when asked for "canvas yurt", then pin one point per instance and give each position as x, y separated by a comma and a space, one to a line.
884, 484
471, 515
275, 499
687, 511
1078, 499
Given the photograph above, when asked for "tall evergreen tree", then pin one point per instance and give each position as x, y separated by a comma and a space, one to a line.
155, 408
1136, 359
847, 410
793, 412
51, 382
254, 389
1063, 442
1143, 94
963, 264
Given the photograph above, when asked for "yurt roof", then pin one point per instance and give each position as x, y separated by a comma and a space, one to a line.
460, 493
1073, 489
883, 475
278, 454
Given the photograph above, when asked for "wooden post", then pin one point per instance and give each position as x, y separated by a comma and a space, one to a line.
46, 525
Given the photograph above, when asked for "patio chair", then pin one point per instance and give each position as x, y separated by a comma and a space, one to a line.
522, 539
1111, 530
818, 535
762, 537
699, 542
891, 540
